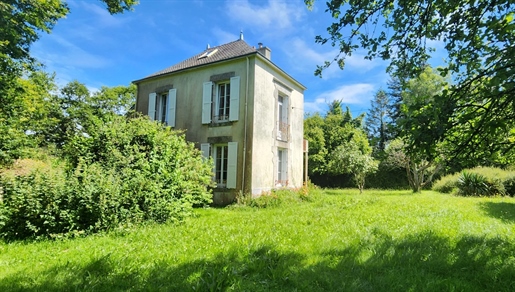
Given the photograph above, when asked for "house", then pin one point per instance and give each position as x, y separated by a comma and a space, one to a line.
239, 108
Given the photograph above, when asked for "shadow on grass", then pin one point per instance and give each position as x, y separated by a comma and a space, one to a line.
500, 210
421, 262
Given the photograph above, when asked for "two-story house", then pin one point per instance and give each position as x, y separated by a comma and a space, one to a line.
239, 108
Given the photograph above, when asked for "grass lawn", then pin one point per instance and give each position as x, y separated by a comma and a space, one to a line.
339, 241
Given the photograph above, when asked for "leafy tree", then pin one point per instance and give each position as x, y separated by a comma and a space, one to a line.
418, 170
478, 37
328, 135
82, 111
379, 121
317, 151
21, 22
353, 157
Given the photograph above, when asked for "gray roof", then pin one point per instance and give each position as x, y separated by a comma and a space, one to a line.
224, 52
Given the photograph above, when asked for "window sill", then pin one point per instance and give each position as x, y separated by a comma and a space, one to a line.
220, 124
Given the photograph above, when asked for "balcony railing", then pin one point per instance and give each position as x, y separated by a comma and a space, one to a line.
283, 131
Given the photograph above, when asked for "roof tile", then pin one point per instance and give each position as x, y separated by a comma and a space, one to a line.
223, 52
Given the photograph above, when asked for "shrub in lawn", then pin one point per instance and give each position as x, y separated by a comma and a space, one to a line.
126, 172
509, 185
446, 184
475, 184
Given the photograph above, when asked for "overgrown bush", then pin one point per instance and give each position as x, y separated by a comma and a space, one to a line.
473, 184
127, 172
478, 181
509, 185
446, 184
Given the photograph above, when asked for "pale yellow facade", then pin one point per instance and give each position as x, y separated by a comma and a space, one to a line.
267, 134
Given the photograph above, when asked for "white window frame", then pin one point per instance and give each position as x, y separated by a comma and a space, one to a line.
227, 164
211, 102
226, 108
282, 167
220, 157
283, 126
162, 107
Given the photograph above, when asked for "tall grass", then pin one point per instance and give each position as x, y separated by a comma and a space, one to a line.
338, 241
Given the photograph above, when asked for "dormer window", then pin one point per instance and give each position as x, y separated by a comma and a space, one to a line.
208, 53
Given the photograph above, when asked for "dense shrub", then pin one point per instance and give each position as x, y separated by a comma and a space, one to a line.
388, 177
127, 172
509, 185
479, 181
446, 184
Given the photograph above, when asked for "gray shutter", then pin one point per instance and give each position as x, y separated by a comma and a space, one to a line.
207, 96
234, 109
152, 106
204, 148
171, 107
232, 164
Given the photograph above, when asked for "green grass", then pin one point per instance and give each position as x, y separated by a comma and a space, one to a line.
338, 241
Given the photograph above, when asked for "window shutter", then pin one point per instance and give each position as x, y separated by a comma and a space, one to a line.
207, 96
170, 111
234, 109
232, 163
204, 148
152, 106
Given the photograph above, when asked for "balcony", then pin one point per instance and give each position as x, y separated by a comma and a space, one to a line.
283, 131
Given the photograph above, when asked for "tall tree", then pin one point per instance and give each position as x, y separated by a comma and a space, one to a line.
330, 137
478, 37
21, 22
379, 121
354, 157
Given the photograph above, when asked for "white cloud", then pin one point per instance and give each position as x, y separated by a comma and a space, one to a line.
359, 93
275, 15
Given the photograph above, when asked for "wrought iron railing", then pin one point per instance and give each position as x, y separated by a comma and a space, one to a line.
283, 131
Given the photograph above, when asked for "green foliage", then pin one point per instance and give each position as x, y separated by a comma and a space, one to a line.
387, 177
327, 133
283, 197
479, 181
353, 159
418, 170
24, 103
128, 172
379, 121
474, 184
341, 241
509, 185
474, 118
446, 184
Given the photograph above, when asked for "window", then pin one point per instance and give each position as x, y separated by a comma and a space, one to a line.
220, 155
282, 118
282, 167
223, 101
225, 157
161, 107
224, 104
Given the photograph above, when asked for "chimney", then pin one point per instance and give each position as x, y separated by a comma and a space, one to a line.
265, 51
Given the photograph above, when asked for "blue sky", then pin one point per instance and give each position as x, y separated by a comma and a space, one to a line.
99, 49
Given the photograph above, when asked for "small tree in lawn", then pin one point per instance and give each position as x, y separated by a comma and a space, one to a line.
354, 157
420, 171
